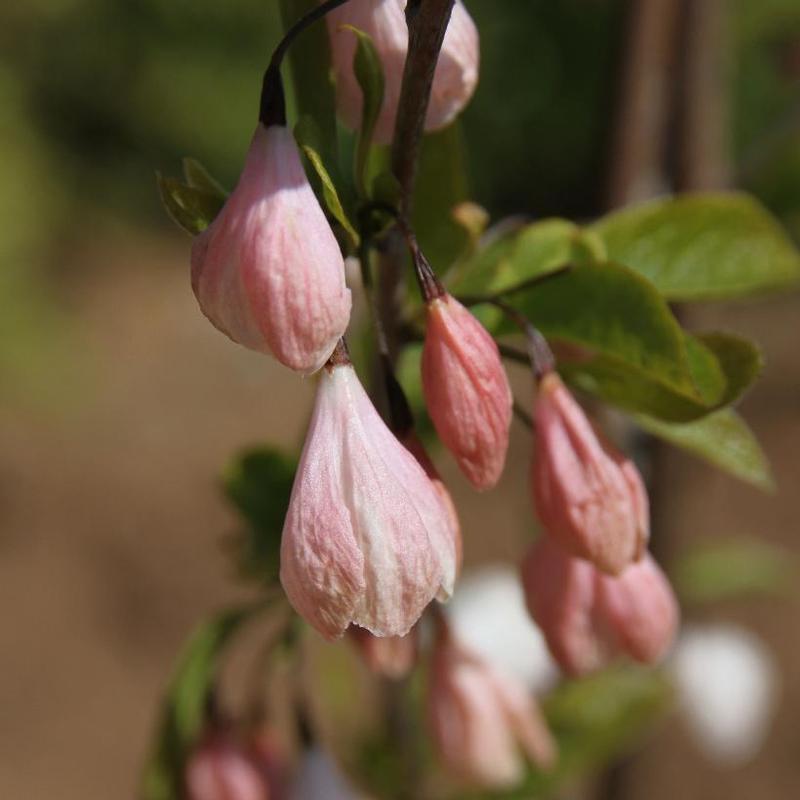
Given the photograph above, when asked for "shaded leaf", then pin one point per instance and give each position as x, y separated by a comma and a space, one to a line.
368, 70
329, 194
722, 439
198, 177
191, 208
720, 570
740, 359
259, 484
703, 246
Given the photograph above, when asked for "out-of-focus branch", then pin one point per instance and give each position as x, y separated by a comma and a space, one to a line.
639, 144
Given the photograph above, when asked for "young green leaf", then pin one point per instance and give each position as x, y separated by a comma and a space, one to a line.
703, 246
259, 483
184, 710
191, 208
329, 194
198, 177
368, 70
722, 439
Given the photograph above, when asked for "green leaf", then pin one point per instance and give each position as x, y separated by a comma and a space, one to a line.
722, 439
703, 246
734, 567
611, 311
198, 177
594, 720
184, 709
329, 194
740, 359
193, 209
721, 367
259, 484
517, 257
368, 70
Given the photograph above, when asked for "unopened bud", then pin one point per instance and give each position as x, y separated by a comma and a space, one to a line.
466, 390
482, 719
588, 495
456, 73
367, 539
268, 271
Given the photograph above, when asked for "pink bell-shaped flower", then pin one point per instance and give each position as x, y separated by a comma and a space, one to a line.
391, 656
221, 769
588, 617
268, 271
638, 610
588, 496
559, 592
466, 390
482, 719
366, 539
456, 73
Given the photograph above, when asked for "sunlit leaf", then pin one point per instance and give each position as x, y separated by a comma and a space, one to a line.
703, 246
191, 208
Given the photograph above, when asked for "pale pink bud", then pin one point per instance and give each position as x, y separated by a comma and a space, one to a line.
481, 718
456, 73
220, 769
587, 494
466, 390
366, 538
638, 611
559, 592
268, 271
390, 656
415, 447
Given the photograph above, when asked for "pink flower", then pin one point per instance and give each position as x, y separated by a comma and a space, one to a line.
481, 718
456, 73
559, 592
588, 617
366, 538
390, 656
588, 495
466, 390
268, 271
412, 443
221, 769
638, 610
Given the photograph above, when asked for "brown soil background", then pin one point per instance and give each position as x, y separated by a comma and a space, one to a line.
110, 524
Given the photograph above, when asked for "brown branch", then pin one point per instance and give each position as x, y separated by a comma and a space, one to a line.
427, 23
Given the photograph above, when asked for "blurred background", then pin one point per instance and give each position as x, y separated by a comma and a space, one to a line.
119, 404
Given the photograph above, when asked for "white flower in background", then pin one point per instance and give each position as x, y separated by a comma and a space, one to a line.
727, 684
488, 613
318, 778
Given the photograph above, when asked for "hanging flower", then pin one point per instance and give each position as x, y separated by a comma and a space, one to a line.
367, 539
268, 271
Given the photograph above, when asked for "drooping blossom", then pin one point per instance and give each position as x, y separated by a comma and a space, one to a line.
466, 390
456, 73
587, 495
588, 617
412, 443
391, 656
220, 768
483, 720
366, 539
559, 591
268, 271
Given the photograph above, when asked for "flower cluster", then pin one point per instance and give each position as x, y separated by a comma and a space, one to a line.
371, 537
